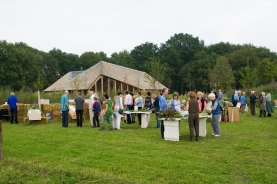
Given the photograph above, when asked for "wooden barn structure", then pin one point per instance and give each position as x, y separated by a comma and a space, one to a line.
105, 77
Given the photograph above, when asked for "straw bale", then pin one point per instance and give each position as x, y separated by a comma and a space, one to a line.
42, 121
20, 118
86, 106
46, 107
56, 112
56, 117
55, 106
26, 120
20, 105
6, 106
26, 106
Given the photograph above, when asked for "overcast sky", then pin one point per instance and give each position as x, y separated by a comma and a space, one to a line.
77, 26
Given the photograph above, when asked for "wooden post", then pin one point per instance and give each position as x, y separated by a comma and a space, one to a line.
102, 89
114, 85
108, 85
95, 87
1, 143
121, 86
39, 101
127, 87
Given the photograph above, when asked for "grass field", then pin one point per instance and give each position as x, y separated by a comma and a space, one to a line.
246, 152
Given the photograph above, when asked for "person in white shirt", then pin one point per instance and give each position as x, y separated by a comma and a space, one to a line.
118, 106
91, 101
128, 102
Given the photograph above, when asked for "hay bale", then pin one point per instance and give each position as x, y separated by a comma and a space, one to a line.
6, 106
46, 107
20, 118
56, 113
26, 120
86, 106
26, 106
56, 117
55, 106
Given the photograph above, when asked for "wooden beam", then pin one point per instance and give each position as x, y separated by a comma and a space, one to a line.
102, 87
1, 143
94, 83
114, 85
108, 85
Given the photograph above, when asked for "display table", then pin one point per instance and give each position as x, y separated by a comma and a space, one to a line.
145, 117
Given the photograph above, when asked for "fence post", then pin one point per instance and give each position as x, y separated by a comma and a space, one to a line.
1, 143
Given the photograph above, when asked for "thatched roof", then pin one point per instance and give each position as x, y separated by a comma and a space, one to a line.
119, 73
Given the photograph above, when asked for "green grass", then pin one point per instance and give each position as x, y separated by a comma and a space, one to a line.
47, 153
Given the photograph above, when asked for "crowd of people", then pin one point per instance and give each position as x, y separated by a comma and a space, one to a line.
196, 103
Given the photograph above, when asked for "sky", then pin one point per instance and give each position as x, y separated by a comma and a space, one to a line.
113, 26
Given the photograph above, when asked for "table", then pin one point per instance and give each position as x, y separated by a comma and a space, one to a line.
145, 117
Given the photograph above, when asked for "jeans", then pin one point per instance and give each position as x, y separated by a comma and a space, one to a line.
79, 114
65, 118
128, 115
157, 118
215, 124
13, 116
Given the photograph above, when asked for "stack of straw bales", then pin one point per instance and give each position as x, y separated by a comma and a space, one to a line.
86, 111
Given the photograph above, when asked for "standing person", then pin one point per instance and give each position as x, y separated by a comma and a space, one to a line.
13, 103
139, 103
118, 106
156, 109
91, 101
193, 109
64, 108
96, 110
262, 104
79, 102
202, 102
220, 95
107, 113
253, 103
215, 115
128, 102
175, 102
269, 107
132, 107
148, 101
242, 103
163, 106
235, 98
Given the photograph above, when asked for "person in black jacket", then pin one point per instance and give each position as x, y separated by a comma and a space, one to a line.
96, 109
156, 106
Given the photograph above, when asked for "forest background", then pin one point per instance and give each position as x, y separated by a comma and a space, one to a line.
185, 62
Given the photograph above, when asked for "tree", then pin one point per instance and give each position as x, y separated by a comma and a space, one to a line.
248, 77
142, 53
122, 58
156, 71
222, 74
178, 51
267, 71
88, 59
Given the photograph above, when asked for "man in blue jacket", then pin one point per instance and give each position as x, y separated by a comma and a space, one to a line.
13, 103
163, 106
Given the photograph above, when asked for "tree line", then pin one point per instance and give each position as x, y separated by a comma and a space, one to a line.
182, 63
